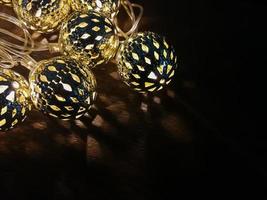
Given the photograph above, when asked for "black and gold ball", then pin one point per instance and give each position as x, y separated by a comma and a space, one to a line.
14, 99
108, 8
42, 15
89, 38
147, 62
62, 88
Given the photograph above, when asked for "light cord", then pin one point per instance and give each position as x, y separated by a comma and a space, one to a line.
11, 53
129, 9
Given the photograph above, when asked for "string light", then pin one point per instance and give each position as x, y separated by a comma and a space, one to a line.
89, 37
14, 99
108, 8
64, 87
42, 16
146, 62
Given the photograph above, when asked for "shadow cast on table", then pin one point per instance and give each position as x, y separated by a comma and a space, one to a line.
130, 146
108, 150
105, 154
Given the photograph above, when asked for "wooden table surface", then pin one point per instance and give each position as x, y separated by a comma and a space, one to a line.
133, 146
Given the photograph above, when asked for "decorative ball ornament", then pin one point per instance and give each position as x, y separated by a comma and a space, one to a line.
108, 8
6, 2
42, 15
89, 38
14, 99
62, 88
147, 62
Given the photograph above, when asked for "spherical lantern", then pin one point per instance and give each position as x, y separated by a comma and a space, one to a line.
14, 99
42, 15
89, 37
62, 88
147, 62
108, 8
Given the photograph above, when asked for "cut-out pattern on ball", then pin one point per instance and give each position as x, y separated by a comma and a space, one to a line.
147, 62
42, 15
62, 88
89, 37
108, 8
14, 99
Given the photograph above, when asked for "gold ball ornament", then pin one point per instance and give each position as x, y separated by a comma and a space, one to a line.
62, 88
42, 15
89, 38
14, 99
147, 63
108, 8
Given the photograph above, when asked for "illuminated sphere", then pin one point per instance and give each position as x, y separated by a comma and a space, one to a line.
6, 2
89, 37
14, 99
62, 88
108, 8
42, 15
147, 62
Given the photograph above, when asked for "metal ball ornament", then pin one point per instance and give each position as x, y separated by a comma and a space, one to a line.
108, 8
89, 38
62, 88
42, 15
146, 62
14, 99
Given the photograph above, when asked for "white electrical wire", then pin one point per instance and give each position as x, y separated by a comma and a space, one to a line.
11, 53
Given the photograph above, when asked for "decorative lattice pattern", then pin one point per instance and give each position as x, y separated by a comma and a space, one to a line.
89, 38
108, 8
14, 99
42, 15
62, 88
147, 62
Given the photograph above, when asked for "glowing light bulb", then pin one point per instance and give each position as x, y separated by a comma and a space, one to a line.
147, 62
108, 8
89, 37
62, 88
42, 15
14, 99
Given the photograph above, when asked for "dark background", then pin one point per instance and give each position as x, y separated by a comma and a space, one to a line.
201, 140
